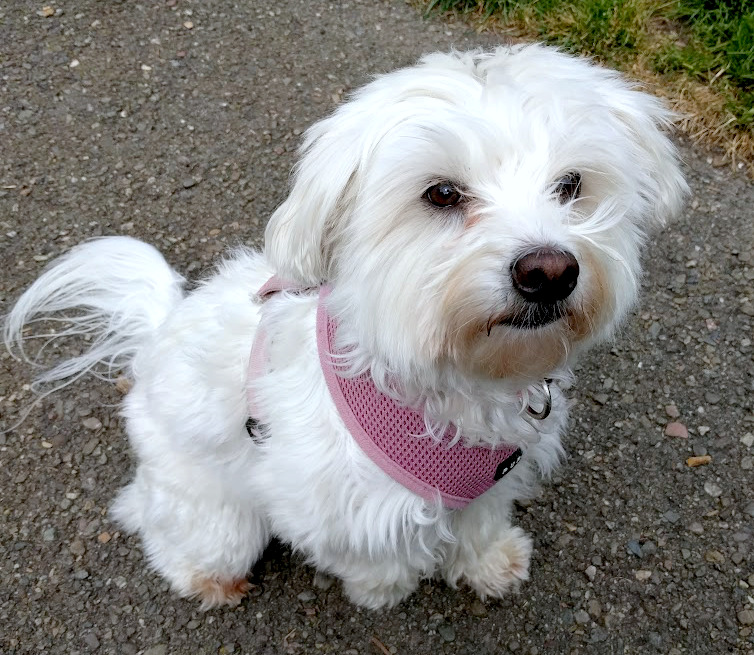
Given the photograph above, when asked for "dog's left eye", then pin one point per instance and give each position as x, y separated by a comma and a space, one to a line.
444, 194
568, 187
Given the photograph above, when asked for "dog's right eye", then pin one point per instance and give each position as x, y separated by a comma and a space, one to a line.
568, 187
444, 194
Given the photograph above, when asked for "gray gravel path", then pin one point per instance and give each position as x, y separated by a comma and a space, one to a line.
175, 121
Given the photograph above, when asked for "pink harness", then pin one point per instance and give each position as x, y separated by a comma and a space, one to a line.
393, 436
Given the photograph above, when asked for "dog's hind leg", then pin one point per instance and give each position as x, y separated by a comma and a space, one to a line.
200, 528
204, 547
192, 500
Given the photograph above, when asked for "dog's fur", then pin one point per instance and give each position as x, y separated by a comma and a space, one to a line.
424, 299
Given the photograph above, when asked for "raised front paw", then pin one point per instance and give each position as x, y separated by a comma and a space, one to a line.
496, 568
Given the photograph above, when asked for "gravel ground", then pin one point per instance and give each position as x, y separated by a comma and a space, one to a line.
175, 121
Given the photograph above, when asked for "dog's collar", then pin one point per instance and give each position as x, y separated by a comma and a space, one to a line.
394, 436
542, 389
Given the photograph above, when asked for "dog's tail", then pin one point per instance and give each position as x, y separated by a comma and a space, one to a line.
113, 291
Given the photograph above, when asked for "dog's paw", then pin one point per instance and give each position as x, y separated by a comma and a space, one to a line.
501, 567
375, 595
216, 592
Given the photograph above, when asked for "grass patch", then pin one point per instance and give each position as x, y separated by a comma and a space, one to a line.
698, 54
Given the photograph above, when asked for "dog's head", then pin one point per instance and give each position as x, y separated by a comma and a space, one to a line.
483, 211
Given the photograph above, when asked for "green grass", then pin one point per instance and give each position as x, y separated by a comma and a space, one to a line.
722, 45
706, 42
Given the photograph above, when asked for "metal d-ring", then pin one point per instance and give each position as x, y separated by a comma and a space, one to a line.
545, 411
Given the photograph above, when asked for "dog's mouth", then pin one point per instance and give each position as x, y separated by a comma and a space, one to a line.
529, 316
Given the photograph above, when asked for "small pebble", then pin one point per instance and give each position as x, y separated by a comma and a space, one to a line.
307, 596
746, 463
581, 616
447, 632
746, 617
159, 649
92, 423
649, 548
478, 608
696, 528
701, 460
642, 575
77, 547
634, 548
671, 516
590, 572
90, 445
123, 385
678, 430
599, 635
672, 411
90, 639
714, 556
594, 607
748, 440
713, 489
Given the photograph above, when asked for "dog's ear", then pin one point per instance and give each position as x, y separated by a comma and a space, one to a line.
302, 232
648, 123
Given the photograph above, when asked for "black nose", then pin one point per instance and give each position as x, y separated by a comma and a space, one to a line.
545, 275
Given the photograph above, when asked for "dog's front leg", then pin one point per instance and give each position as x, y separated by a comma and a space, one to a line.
490, 554
375, 584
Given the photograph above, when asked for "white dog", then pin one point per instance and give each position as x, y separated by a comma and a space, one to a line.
456, 234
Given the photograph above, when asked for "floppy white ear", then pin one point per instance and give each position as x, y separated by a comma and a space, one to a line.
302, 232
648, 121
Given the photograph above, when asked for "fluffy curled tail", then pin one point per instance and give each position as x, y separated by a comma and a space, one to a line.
115, 291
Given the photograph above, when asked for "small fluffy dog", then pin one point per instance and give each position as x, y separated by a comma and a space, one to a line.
455, 235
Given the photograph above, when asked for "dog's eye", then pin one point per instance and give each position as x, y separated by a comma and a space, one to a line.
568, 187
444, 194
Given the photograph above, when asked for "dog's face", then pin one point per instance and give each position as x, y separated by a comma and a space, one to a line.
484, 212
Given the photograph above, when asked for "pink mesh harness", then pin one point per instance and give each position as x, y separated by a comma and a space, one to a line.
393, 436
